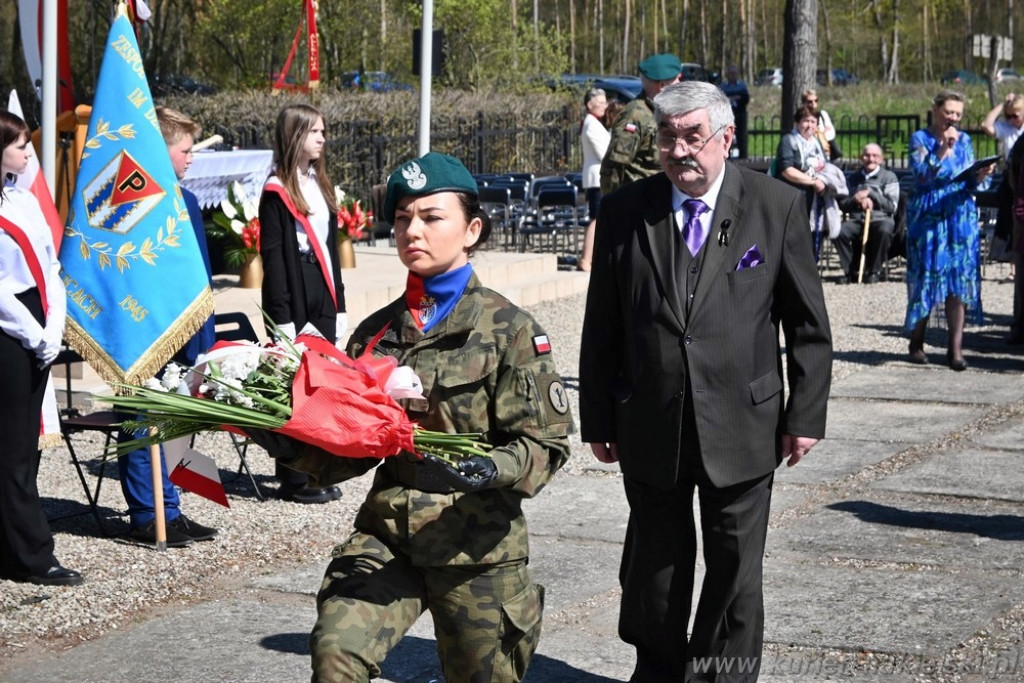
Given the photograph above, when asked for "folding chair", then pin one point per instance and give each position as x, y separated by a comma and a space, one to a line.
497, 202
73, 421
235, 326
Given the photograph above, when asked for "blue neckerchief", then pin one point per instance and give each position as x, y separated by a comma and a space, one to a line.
430, 300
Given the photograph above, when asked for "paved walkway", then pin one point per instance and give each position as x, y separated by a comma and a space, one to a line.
894, 554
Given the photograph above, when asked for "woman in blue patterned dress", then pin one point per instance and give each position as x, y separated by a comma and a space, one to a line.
942, 230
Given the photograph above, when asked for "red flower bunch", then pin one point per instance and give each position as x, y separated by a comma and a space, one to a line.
352, 219
251, 234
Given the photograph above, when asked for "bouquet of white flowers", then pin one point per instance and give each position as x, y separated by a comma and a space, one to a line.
307, 390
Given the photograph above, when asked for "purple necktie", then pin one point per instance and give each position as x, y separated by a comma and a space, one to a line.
693, 232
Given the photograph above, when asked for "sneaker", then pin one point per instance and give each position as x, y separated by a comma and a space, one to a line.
309, 495
194, 530
147, 534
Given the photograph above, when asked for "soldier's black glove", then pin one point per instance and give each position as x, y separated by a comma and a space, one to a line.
280, 447
475, 473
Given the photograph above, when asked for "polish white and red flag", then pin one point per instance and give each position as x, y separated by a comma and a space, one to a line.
34, 181
193, 471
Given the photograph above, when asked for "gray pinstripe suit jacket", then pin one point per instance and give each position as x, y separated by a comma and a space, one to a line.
639, 347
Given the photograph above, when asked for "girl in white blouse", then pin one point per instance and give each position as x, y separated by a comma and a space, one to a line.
32, 311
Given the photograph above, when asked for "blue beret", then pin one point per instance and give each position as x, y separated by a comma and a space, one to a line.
662, 67
430, 174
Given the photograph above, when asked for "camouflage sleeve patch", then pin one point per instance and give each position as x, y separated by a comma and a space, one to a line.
553, 398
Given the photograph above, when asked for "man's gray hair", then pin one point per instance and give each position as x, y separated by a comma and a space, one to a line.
679, 99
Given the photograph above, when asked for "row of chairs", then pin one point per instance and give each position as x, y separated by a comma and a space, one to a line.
536, 213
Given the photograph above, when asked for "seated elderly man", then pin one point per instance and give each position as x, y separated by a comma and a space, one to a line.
876, 188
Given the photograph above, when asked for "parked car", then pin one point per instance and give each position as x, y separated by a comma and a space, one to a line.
961, 77
1006, 74
839, 77
173, 84
372, 81
695, 72
621, 88
769, 77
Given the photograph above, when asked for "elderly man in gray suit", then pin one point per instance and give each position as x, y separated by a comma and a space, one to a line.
695, 271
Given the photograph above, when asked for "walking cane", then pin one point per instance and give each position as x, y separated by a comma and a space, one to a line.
864, 245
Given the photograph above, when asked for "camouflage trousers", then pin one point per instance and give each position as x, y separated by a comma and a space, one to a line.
487, 619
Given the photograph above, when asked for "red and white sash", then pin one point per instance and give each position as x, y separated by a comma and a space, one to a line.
49, 421
303, 220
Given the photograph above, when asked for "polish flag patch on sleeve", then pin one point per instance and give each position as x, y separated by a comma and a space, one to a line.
541, 344
630, 127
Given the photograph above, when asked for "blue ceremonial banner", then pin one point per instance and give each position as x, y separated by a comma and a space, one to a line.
136, 283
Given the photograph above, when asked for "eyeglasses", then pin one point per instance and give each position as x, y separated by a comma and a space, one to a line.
692, 143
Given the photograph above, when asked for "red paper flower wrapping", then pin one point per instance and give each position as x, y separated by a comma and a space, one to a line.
343, 408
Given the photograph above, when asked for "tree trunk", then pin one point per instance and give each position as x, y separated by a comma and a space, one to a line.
799, 54
625, 40
828, 43
894, 66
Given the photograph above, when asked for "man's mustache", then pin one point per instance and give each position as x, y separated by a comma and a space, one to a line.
685, 162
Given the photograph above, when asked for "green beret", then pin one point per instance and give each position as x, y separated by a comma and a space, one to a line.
662, 67
430, 174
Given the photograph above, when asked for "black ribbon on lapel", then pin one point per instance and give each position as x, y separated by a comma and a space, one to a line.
723, 233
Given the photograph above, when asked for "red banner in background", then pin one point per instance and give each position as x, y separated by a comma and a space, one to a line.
313, 52
313, 44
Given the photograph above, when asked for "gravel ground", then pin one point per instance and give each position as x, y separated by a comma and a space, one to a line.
125, 580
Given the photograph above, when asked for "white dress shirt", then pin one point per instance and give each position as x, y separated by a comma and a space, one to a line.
20, 207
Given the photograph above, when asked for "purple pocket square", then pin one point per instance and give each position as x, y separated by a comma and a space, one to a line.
750, 259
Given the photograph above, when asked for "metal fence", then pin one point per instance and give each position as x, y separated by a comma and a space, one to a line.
362, 153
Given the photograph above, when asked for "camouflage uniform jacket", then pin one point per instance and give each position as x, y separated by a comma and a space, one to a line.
485, 368
632, 153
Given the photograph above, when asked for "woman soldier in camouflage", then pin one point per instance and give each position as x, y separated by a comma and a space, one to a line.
430, 535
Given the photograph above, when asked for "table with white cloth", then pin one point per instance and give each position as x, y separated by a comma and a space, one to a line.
212, 173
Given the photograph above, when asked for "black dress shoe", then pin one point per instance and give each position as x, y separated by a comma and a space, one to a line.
147, 534
918, 356
957, 364
309, 495
194, 530
56, 576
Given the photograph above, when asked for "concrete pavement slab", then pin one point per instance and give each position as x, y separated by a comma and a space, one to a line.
233, 640
930, 384
896, 421
971, 472
586, 507
834, 459
1009, 435
881, 610
921, 531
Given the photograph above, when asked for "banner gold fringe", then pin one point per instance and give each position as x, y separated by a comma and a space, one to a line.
161, 351
50, 441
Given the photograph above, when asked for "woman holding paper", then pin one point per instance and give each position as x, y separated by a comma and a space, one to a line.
32, 308
302, 287
942, 230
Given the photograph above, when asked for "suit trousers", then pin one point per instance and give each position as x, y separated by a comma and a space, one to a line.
657, 578
26, 544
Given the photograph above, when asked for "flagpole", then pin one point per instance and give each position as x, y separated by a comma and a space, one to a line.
158, 496
49, 118
426, 75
